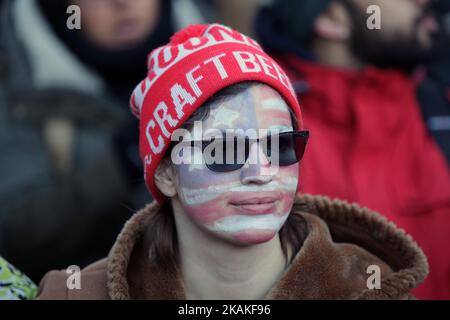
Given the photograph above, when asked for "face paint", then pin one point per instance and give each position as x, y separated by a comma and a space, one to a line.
249, 205
224, 117
194, 196
252, 229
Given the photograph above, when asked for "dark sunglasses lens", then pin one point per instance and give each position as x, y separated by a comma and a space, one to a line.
226, 155
231, 155
291, 148
287, 153
301, 146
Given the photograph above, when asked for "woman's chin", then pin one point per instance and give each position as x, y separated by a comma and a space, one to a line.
254, 236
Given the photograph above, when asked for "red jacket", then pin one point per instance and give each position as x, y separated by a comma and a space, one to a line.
369, 145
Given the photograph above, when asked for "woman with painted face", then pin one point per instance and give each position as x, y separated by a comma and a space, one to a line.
222, 139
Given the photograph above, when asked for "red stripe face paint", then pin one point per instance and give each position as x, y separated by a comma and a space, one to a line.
251, 204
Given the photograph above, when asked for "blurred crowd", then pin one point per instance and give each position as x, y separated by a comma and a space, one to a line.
377, 104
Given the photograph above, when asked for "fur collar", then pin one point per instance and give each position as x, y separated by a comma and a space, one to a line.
342, 241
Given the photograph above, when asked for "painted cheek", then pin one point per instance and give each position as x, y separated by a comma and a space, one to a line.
286, 202
208, 212
288, 176
203, 192
203, 179
198, 176
289, 171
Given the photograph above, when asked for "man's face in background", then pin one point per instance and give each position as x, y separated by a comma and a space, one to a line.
407, 35
116, 24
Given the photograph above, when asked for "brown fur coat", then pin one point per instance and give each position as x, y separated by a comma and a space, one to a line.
341, 241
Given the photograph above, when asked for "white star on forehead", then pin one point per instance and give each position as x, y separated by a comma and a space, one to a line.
224, 116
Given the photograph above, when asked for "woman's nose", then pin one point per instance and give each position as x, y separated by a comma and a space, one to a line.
257, 168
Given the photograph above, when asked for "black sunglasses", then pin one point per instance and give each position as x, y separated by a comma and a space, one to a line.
226, 155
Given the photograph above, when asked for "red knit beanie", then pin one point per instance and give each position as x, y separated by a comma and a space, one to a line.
198, 62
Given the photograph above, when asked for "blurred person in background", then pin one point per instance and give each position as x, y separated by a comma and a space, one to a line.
69, 157
359, 101
238, 14
434, 91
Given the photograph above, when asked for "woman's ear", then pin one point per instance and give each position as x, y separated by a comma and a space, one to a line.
334, 24
165, 179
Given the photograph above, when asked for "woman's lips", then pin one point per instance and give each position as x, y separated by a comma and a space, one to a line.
265, 208
254, 205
